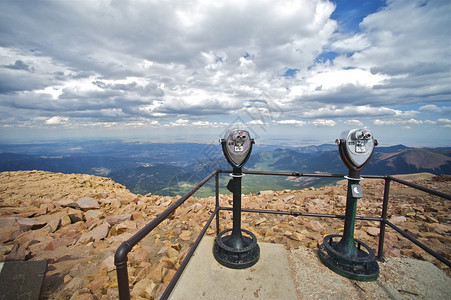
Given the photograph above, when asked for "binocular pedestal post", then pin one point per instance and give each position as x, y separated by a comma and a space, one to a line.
349, 257
231, 248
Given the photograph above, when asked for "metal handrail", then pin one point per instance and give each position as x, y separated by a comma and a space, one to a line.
399, 230
421, 188
120, 258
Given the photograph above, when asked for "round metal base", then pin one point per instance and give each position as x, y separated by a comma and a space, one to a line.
363, 267
236, 254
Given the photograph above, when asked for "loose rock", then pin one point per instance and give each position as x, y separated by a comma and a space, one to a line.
87, 203
43, 216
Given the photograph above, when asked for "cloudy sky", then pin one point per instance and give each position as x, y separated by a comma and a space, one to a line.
294, 72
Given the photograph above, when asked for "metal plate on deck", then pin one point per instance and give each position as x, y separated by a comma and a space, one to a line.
22, 279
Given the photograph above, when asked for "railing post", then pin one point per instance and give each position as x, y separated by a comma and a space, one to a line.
380, 250
120, 261
217, 201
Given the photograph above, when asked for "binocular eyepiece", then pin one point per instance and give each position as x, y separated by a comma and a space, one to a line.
237, 147
361, 135
239, 139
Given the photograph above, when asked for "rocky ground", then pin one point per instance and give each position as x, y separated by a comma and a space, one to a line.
78, 221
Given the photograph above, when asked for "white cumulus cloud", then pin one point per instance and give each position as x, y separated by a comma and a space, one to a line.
56, 120
324, 123
292, 122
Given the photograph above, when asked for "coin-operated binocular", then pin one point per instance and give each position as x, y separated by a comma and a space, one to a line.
231, 248
350, 257
356, 147
237, 148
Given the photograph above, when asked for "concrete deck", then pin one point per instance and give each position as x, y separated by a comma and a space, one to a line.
205, 278
299, 274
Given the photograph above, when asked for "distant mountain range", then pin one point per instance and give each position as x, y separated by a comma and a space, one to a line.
397, 159
171, 169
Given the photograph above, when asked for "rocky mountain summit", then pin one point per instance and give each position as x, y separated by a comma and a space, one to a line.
78, 221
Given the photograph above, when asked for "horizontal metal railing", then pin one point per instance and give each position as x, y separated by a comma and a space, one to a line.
120, 259
402, 232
